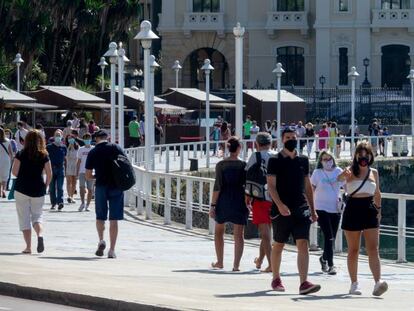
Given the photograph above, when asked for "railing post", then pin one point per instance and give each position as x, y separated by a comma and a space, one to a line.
167, 160
402, 214
181, 158
140, 193
339, 241
167, 201
313, 237
153, 159
148, 193
189, 203
211, 221
208, 154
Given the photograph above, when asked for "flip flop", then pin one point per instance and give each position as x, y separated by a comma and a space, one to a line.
26, 252
236, 270
215, 266
267, 270
256, 260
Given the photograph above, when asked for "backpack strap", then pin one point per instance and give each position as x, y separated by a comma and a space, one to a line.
362, 184
258, 157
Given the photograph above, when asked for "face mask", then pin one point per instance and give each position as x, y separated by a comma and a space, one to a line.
87, 141
58, 139
327, 165
291, 144
71, 141
363, 161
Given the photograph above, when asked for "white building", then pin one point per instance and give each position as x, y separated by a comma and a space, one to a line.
311, 38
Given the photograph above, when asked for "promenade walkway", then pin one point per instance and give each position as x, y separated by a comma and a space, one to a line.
166, 266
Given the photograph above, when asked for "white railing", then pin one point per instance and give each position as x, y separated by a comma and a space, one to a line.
287, 20
193, 195
204, 21
178, 157
392, 18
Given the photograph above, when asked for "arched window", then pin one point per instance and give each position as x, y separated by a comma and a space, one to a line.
343, 66
293, 62
206, 5
291, 5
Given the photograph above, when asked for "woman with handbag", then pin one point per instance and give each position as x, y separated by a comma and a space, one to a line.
328, 205
362, 216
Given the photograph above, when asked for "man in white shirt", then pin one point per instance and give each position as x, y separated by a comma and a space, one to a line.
20, 135
83, 183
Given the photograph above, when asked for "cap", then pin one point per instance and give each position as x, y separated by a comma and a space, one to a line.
263, 138
101, 133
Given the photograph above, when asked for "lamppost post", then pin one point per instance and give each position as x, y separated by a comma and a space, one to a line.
112, 53
279, 71
322, 81
153, 65
122, 59
18, 61
103, 65
207, 68
238, 32
176, 67
411, 77
353, 74
146, 35
366, 84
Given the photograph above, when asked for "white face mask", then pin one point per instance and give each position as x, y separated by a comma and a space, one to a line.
327, 165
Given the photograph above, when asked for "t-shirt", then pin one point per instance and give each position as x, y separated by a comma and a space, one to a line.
253, 132
57, 154
290, 179
300, 130
20, 137
133, 128
247, 126
323, 141
82, 155
326, 189
30, 177
100, 159
265, 155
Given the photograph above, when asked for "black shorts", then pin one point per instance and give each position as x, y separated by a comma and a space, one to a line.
285, 226
360, 214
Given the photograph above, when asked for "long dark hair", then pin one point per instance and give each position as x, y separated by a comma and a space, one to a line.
233, 143
363, 146
2, 135
34, 145
224, 127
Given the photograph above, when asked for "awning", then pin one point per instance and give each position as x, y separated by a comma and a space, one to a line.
270, 96
8, 96
197, 94
140, 96
170, 109
28, 106
73, 94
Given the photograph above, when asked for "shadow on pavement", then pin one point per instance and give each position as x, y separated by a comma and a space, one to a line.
72, 258
213, 271
12, 254
331, 297
262, 293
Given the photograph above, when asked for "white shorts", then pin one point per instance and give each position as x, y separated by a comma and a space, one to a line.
29, 210
84, 183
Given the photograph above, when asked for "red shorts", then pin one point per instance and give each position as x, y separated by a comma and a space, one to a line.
261, 212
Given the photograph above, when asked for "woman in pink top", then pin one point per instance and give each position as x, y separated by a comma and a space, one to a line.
323, 133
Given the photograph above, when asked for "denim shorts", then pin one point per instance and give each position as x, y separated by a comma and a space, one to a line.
112, 199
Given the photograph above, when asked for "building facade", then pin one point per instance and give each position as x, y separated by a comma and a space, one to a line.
311, 38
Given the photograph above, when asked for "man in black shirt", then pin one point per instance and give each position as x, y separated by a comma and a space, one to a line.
107, 196
293, 211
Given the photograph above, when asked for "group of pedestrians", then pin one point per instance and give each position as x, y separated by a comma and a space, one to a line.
288, 199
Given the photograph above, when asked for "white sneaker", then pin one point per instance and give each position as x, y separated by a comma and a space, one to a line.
81, 207
87, 208
380, 288
355, 289
111, 254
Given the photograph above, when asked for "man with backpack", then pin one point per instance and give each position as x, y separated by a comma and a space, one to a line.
258, 199
109, 195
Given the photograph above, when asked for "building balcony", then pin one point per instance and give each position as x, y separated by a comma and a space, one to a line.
204, 21
287, 20
390, 18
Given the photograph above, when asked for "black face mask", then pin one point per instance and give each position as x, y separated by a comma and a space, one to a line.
363, 161
291, 144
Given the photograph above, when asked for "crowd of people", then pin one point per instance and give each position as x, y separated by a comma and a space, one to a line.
281, 194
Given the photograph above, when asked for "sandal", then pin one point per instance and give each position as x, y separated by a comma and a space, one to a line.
216, 266
26, 252
267, 270
236, 270
258, 263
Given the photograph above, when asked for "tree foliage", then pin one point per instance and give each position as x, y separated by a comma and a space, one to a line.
61, 41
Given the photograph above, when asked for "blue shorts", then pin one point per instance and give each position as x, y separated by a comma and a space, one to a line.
112, 197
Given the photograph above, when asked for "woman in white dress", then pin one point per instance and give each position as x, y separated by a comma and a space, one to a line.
71, 166
6, 154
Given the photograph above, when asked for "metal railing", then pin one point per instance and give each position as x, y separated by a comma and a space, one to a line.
177, 157
191, 194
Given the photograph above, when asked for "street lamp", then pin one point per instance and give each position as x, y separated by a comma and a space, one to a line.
366, 83
122, 59
279, 71
103, 65
353, 74
411, 77
112, 53
176, 67
207, 68
18, 61
322, 81
137, 73
146, 35
238, 32
153, 65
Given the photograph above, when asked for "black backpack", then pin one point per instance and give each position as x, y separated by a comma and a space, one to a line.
123, 172
256, 184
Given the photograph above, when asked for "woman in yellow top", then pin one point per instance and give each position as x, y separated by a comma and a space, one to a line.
333, 133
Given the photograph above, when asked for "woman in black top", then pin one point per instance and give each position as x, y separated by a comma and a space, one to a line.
30, 189
228, 204
310, 135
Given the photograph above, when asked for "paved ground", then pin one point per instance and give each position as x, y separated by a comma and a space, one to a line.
167, 266
15, 304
